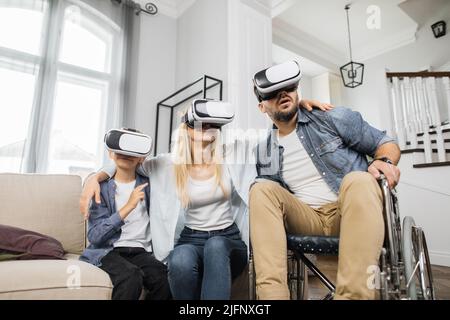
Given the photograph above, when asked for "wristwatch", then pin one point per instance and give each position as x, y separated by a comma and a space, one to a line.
385, 159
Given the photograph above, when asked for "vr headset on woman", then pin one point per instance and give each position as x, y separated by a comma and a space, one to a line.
211, 112
128, 142
282, 77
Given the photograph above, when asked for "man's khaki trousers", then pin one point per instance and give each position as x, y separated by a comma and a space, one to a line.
356, 217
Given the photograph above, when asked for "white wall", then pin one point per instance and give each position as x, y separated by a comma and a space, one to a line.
202, 42
306, 87
424, 193
250, 50
226, 39
205, 39
183, 50
320, 86
156, 75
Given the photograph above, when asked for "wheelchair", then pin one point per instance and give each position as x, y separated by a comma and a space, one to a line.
404, 271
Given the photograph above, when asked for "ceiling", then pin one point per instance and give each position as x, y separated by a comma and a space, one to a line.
322, 27
316, 30
426, 12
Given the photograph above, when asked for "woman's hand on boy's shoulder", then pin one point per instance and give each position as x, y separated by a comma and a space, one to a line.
90, 190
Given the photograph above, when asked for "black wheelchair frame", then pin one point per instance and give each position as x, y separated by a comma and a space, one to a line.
404, 267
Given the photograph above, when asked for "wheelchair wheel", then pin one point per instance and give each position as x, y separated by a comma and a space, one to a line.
418, 276
297, 278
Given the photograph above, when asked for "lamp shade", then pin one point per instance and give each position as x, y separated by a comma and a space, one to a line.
352, 74
439, 29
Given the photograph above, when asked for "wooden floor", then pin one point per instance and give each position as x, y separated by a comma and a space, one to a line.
328, 265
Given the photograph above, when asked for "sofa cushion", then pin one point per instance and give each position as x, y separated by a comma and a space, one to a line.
31, 245
53, 279
48, 204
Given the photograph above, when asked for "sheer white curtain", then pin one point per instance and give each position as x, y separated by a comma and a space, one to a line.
22, 25
63, 82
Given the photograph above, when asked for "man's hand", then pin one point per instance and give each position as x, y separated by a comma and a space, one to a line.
390, 171
91, 189
310, 104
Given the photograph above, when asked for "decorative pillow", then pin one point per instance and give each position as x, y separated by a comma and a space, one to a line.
20, 244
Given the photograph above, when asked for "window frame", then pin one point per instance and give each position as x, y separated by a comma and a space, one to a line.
48, 69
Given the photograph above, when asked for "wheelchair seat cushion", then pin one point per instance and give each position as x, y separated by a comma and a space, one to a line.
313, 244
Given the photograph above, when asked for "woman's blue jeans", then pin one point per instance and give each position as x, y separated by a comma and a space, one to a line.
203, 264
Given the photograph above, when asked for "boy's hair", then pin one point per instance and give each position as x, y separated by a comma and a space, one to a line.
132, 130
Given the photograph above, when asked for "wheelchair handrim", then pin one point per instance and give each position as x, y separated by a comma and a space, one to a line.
418, 277
424, 272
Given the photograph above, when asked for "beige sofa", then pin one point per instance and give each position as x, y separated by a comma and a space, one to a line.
48, 204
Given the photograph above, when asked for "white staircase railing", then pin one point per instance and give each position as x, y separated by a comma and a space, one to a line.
420, 103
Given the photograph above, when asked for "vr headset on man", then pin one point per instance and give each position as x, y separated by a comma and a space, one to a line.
271, 81
128, 142
210, 112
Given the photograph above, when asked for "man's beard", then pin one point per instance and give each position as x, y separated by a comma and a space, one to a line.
281, 116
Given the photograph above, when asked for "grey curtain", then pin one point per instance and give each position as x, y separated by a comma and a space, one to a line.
131, 24
124, 15
122, 104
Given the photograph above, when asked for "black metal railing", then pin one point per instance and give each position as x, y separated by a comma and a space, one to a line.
165, 103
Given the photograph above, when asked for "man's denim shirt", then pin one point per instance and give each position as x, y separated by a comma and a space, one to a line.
337, 142
105, 223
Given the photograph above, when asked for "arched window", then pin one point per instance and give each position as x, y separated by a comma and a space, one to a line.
21, 30
59, 65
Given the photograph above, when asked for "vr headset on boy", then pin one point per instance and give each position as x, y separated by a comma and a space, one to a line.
128, 142
282, 77
210, 112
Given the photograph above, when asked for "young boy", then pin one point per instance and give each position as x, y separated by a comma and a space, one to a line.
119, 234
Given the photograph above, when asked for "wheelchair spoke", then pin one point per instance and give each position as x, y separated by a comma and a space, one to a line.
413, 274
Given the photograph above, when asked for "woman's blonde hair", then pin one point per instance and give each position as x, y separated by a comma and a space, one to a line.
183, 161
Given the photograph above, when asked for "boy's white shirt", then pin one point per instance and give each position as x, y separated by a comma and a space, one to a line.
135, 231
167, 216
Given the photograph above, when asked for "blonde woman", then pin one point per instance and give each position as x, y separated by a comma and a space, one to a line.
198, 209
